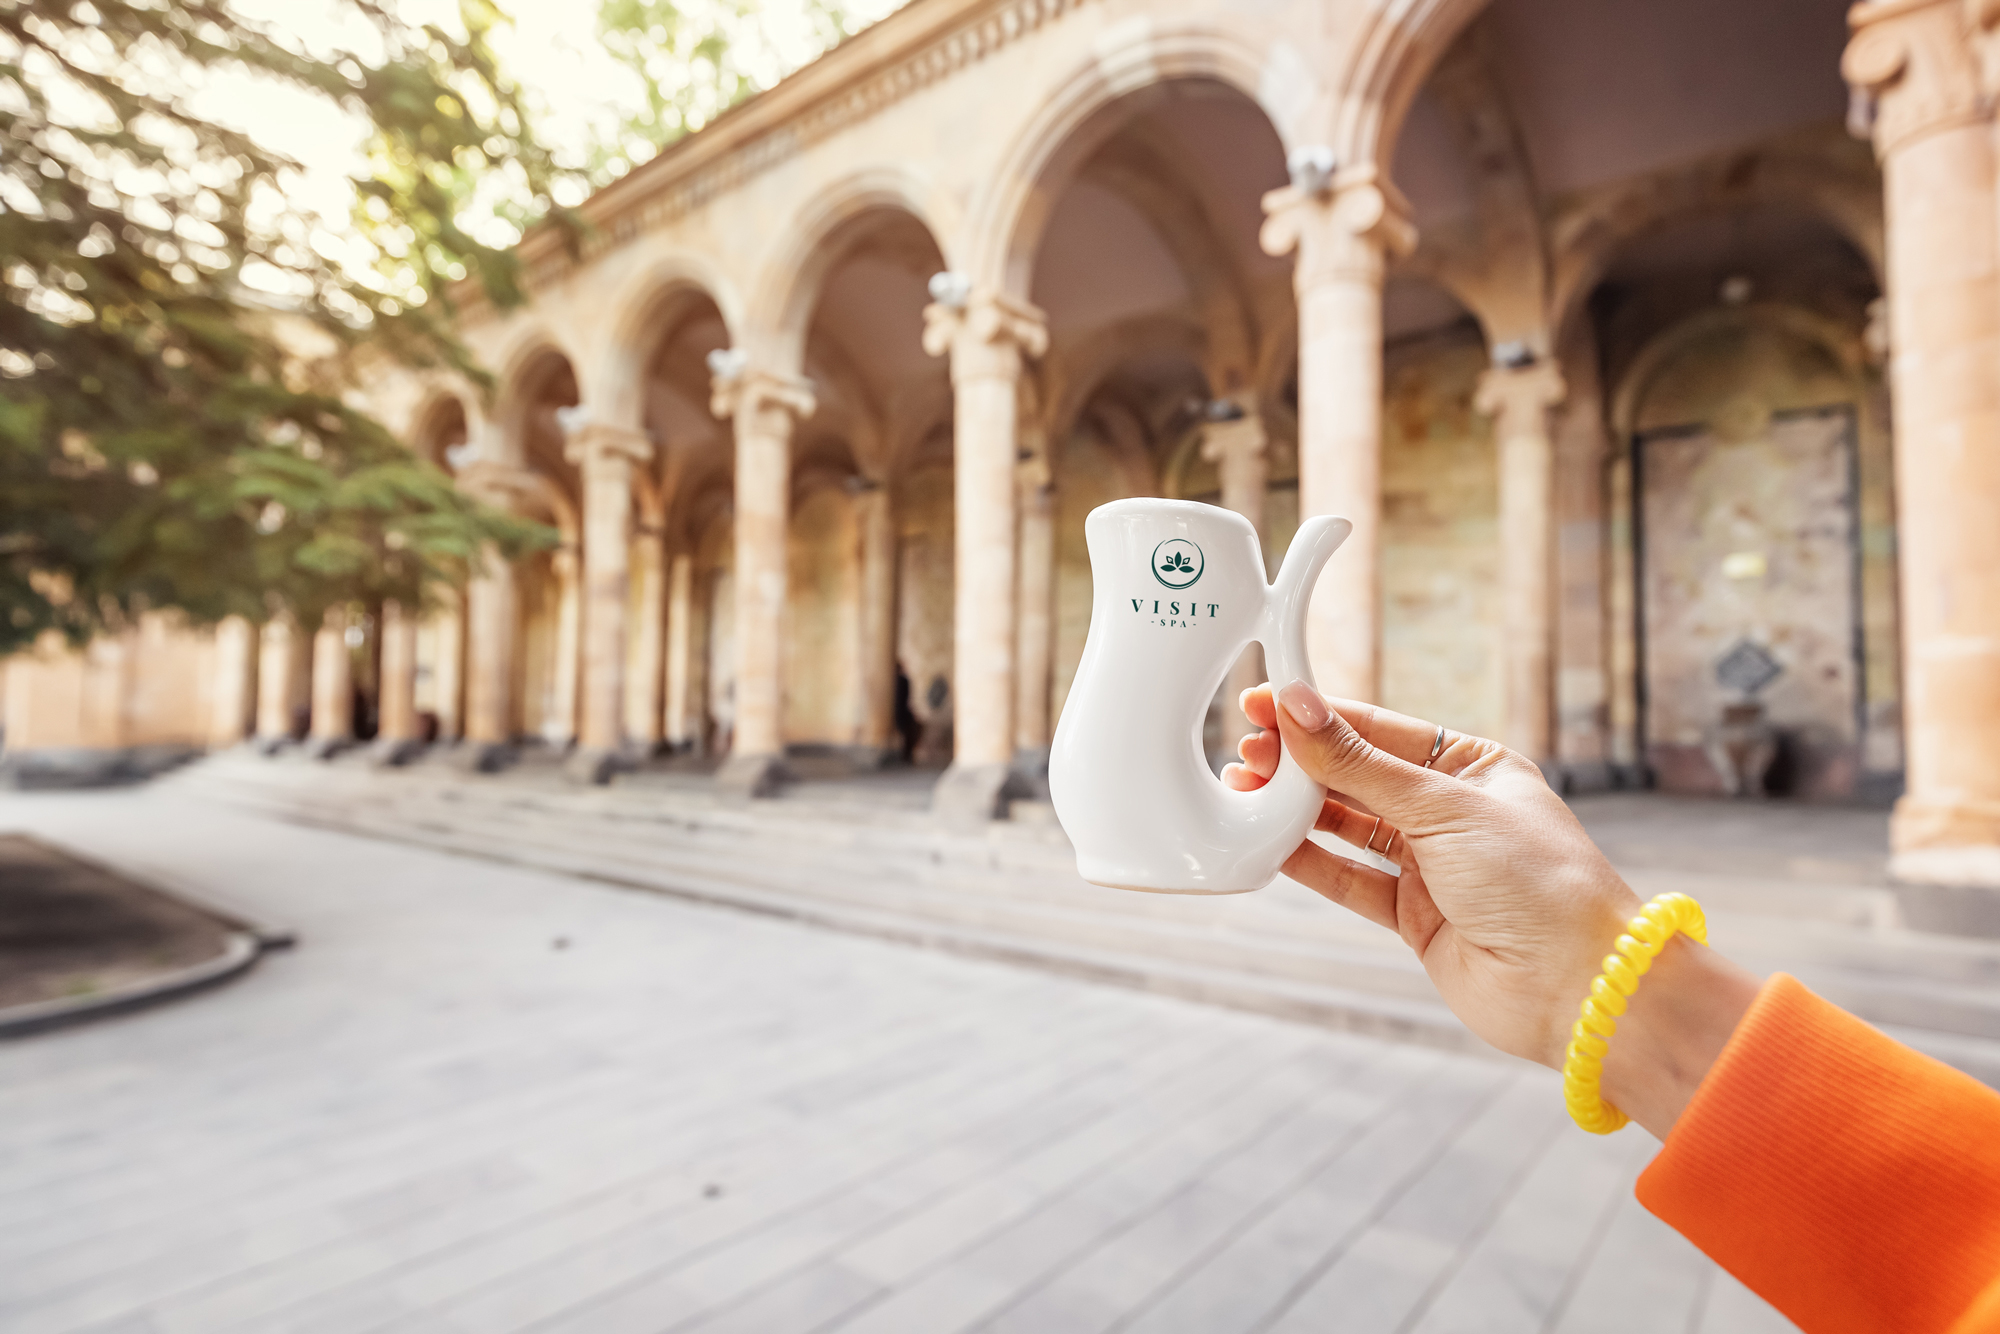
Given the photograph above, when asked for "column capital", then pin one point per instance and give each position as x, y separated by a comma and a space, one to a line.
1915, 61
590, 444
988, 336
762, 399
1239, 437
1032, 473
1517, 397
1350, 230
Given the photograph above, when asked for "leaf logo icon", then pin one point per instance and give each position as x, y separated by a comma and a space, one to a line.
1177, 562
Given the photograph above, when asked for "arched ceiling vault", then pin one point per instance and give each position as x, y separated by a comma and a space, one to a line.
1493, 260
1139, 168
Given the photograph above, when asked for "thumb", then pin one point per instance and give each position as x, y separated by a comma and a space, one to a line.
1334, 755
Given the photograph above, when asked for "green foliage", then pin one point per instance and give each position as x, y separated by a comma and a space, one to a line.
177, 355
698, 58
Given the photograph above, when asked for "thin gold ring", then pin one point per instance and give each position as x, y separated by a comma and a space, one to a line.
1437, 749
1374, 829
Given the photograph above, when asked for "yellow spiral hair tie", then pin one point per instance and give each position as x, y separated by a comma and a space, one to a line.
1583, 1063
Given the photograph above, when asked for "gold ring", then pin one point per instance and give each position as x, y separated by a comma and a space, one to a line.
1373, 829
1437, 749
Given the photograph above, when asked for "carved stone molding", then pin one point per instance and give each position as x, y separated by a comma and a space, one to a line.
988, 337
1349, 232
1917, 61
983, 31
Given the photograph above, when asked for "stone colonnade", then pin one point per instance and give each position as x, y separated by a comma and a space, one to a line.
1928, 73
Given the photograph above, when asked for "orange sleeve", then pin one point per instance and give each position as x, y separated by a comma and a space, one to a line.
1851, 1182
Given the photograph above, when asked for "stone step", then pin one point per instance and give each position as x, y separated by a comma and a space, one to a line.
1358, 1009
1003, 895
1079, 915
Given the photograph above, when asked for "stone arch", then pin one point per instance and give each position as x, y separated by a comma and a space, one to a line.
520, 362
1392, 53
1088, 365
1008, 216
630, 338
1495, 261
441, 412
1585, 246
1841, 344
789, 287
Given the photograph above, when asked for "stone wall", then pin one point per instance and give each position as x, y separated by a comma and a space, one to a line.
119, 705
1749, 383
1087, 475
1440, 499
535, 658
925, 596
822, 642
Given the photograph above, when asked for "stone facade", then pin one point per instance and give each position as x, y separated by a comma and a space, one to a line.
1593, 316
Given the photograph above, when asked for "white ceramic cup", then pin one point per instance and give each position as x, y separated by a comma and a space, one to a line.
1178, 590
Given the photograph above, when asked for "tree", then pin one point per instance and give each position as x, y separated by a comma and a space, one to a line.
698, 58
177, 353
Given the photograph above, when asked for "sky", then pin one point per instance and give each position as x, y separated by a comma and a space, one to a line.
551, 48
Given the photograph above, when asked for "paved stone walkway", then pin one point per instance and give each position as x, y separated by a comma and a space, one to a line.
481, 1099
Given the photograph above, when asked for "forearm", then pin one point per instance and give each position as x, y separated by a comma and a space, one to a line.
1686, 1008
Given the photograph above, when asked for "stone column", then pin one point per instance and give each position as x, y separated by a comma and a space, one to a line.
1344, 230
1933, 134
491, 613
678, 723
876, 521
765, 408
1239, 449
278, 671
606, 456
399, 739
332, 688
559, 727
644, 688
1584, 546
1518, 398
989, 337
1034, 620
448, 670
232, 715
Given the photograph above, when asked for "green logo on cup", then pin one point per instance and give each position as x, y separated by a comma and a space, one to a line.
1177, 562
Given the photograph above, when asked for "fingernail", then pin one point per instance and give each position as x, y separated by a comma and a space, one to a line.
1308, 710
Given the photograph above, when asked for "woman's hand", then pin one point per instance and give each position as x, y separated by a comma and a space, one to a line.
1504, 898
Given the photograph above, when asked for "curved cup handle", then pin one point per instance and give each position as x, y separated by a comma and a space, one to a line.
1282, 632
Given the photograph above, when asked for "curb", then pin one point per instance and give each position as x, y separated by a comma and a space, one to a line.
241, 954
248, 941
